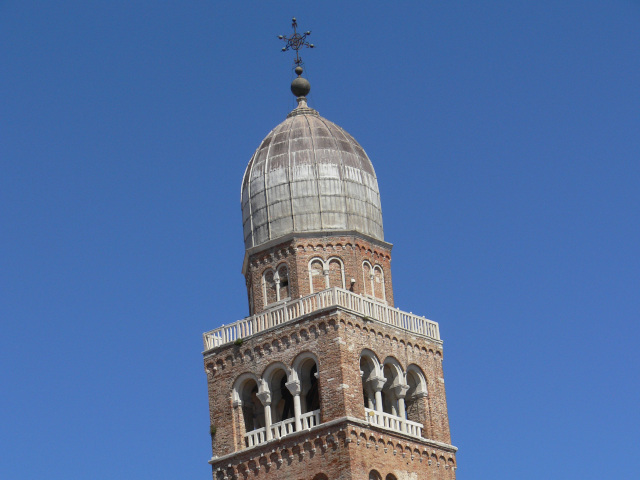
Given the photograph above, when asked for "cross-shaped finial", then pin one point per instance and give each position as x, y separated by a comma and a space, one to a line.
296, 42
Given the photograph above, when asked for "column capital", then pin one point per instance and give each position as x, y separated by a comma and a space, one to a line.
376, 383
294, 387
400, 390
264, 397
417, 395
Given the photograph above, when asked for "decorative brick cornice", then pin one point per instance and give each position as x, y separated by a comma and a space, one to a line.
342, 433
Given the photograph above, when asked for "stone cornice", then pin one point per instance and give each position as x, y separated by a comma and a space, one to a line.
336, 431
306, 316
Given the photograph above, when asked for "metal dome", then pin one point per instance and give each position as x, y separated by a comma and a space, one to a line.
309, 176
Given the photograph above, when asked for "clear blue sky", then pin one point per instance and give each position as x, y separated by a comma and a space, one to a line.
506, 140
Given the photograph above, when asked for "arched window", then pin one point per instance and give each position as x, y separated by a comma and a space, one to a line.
283, 283
374, 475
378, 283
245, 396
336, 273
391, 476
281, 398
269, 287
309, 393
317, 280
369, 366
367, 278
275, 285
417, 389
389, 397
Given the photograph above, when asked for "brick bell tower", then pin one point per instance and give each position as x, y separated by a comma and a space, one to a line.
325, 379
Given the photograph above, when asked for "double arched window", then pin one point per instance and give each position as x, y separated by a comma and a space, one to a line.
325, 274
373, 281
281, 401
275, 284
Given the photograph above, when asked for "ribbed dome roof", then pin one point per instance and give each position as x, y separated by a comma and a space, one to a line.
309, 175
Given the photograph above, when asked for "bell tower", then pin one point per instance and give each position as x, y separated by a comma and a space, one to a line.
326, 379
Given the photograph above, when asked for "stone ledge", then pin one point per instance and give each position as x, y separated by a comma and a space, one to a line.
327, 430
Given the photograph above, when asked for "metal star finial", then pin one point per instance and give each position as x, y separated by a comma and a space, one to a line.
296, 42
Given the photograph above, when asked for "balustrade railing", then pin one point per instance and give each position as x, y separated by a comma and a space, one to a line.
285, 427
310, 419
392, 422
281, 429
255, 437
316, 301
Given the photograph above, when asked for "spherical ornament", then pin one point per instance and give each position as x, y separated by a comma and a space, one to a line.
300, 87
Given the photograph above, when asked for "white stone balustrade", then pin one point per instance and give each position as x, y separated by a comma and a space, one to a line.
392, 422
281, 429
255, 437
316, 301
285, 427
310, 419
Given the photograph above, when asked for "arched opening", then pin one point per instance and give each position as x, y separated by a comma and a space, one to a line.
417, 390
316, 275
336, 273
283, 283
391, 476
368, 372
367, 278
281, 398
269, 287
252, 408
310, 395
374, 475
378, 283
389, 397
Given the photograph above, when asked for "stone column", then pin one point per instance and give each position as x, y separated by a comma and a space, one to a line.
265, 397
276, 280
377, 383
294, 388
325, 272
400, 392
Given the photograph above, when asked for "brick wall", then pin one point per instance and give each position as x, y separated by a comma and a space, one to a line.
341, 452
296, 254
337, 338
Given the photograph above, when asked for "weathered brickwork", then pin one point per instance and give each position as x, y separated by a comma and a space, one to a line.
343, 445
354, 252
341, 452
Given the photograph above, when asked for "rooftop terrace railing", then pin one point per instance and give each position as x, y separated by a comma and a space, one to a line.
293, 309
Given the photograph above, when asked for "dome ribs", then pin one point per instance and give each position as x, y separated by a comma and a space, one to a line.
309, 175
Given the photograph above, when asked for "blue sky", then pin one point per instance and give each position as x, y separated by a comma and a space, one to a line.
505, 137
